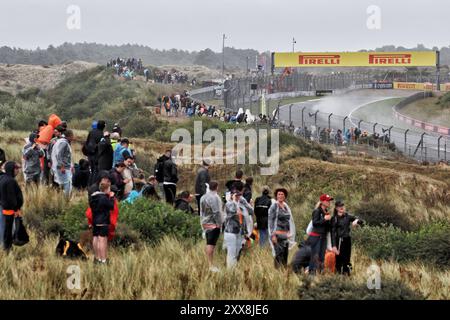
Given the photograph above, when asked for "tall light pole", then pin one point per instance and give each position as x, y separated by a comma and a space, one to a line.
247, 64
293, 44
223, 55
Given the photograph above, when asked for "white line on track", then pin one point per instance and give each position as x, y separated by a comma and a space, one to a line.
363, 105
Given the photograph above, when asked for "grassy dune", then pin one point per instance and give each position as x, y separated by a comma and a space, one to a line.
176, 269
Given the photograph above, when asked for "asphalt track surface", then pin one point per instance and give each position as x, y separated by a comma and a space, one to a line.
347, 104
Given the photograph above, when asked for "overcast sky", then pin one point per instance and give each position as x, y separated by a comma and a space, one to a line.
317, 25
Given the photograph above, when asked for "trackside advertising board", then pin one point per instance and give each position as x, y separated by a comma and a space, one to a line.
355, 59
420, 86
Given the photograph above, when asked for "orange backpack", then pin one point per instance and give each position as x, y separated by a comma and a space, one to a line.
330, 262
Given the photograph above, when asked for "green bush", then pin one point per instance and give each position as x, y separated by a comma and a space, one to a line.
6, 97
23, 115
341, 288
430, 244
154, 220
142, 124
376, 213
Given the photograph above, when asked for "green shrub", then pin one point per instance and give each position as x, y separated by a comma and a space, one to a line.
341, 288
142, 124
430, 244
6, 97
376, 213
154, 220
23, 115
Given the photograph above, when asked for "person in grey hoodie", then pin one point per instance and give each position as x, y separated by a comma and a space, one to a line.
32, 155
211, 220
200, 182
62, 162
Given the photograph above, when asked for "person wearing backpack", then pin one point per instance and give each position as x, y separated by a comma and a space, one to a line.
281, 228
321, 225
341, 241
11, 201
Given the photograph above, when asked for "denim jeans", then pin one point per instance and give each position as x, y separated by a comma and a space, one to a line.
318, 247
233, 242
263, 237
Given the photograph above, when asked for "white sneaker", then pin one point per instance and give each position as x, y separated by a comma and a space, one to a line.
214, 269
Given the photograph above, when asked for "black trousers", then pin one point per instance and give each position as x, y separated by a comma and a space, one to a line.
343, 265
8, 236
281, 252
170, 190
93, 167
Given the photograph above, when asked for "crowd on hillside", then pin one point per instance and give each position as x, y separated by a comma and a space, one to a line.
126, 68
171, 77
109, 174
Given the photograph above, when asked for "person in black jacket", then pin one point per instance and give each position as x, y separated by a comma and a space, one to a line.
117, 179
340, 237
247, 192
170, 178
201, 180
231, 184
105, 153
101, 203
80, 179
11, 200
262, 205
321, 221
91, 145
182, 203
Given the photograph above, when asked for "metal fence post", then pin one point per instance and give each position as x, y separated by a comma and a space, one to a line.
329, 121
359, 124
303, 118
374, 126
390, 133
439, 148
406, 135
315, 118
343, 127
290, 113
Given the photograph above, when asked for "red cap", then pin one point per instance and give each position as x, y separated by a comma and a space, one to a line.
326, 197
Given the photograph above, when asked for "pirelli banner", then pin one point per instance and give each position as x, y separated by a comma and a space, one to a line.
355, 59
420, 86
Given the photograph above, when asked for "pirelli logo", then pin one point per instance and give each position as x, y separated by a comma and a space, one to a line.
407, 86
317, 60
390, 59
